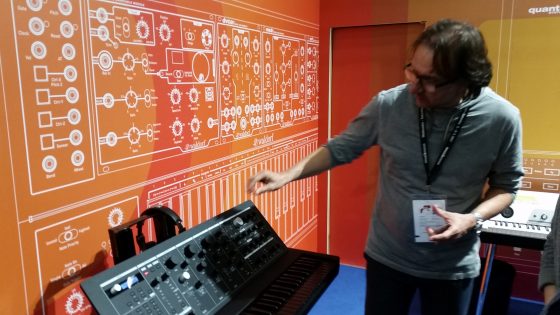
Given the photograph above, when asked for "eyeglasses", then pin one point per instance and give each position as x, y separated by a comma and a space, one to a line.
429, 84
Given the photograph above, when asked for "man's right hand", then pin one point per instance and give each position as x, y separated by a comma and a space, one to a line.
267, 181
313, 164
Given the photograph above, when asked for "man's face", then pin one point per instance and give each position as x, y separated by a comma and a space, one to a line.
429, 89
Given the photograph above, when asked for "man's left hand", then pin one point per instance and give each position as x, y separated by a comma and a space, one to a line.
456, 225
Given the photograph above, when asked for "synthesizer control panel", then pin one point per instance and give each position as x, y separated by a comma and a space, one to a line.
195, 272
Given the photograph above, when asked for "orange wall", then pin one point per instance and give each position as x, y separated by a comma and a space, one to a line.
111, 107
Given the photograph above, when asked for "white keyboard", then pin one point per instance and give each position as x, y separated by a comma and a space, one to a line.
516, 229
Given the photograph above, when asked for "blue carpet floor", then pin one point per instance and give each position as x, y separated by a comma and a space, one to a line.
346, 296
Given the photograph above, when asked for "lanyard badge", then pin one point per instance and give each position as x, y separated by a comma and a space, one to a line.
424, 217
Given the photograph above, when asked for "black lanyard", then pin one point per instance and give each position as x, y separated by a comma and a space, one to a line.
431, 174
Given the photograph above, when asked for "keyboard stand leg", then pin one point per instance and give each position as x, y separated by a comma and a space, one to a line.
490, 251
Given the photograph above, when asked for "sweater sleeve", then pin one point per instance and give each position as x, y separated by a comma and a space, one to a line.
362, 133
547, 268
507, 170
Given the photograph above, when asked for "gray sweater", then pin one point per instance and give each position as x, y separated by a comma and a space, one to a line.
488, 147
550, 261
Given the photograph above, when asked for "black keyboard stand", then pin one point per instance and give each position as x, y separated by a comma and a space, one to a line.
492, 240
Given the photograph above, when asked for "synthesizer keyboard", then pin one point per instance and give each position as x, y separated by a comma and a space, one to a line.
233, 263
526, 223
516, 229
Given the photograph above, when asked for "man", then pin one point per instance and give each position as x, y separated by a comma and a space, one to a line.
447, 140
549, 276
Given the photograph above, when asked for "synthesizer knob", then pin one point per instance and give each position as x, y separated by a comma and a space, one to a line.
184, 277
159, 279
238, 221
544, 217
207, 243
171, 262
189, 253
507, 212
197, 285
201, 266
116, 288
155, 281
184, 264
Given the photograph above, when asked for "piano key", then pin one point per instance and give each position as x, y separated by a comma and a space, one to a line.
285, 283
269, 305
296, 280
273, 297
260, 309
256, 311
289, 289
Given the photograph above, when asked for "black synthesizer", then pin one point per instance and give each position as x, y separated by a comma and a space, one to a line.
233, 263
